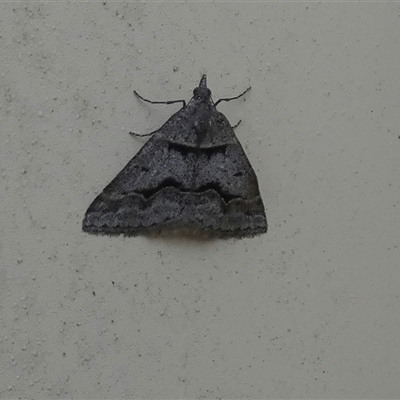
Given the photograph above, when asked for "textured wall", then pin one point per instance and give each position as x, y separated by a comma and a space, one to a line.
309, 310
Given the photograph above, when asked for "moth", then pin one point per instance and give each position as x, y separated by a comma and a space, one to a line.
191, 177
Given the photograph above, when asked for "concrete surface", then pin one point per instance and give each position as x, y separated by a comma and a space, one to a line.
309, 310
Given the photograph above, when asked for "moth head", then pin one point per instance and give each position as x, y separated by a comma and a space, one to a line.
202, 94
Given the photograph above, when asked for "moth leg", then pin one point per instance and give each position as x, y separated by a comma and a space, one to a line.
155, 102
160, 102
143, 134
233, 98
235, 126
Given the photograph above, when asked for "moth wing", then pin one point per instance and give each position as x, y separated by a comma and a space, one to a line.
123, 206
177, 183
228, 173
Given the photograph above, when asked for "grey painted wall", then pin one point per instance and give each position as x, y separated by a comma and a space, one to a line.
309, 310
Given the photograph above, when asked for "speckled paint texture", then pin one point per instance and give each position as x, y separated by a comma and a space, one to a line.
309, 310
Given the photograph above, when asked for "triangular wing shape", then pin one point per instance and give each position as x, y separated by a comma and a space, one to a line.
191, 176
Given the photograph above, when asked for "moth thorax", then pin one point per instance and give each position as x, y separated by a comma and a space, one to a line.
201, 124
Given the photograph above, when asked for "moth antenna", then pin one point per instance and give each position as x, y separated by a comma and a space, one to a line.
233, 98
154, 102
160, 102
